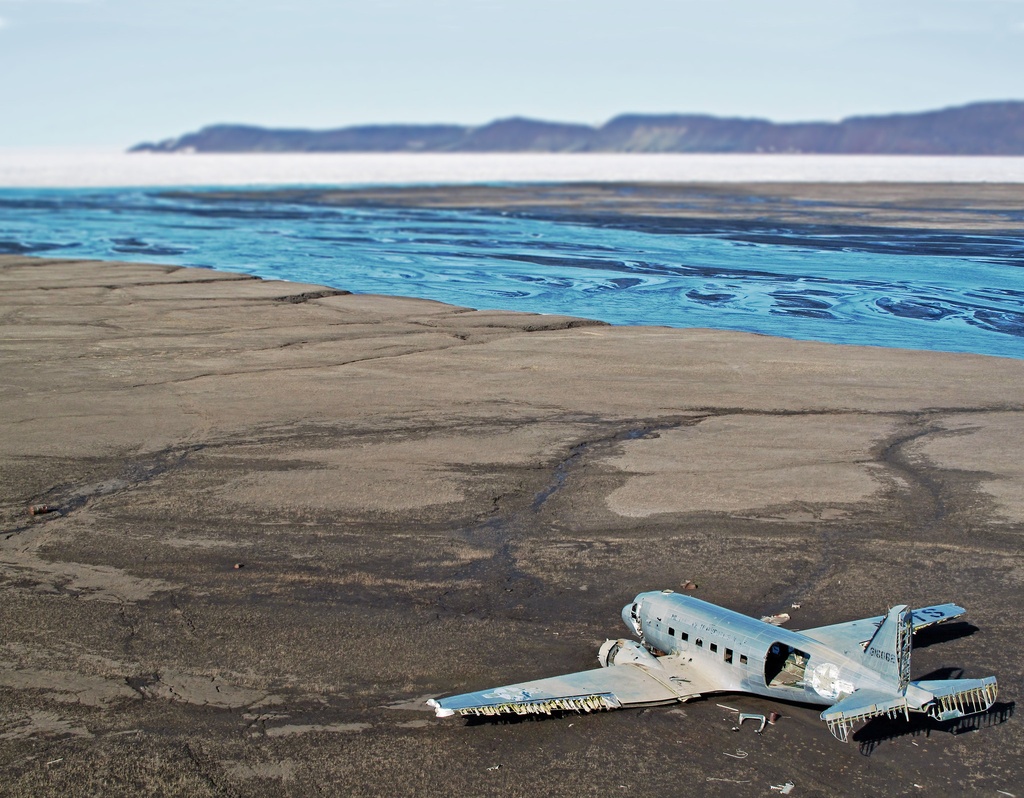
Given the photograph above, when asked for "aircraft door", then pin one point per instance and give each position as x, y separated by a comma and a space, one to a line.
785, 666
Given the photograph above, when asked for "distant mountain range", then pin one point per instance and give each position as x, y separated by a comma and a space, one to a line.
987, 128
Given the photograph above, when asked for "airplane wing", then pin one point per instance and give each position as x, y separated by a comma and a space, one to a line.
844, 636
613, 687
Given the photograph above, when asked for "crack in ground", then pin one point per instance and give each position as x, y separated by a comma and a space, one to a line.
133, 474
130, 624
67, 499
205, 769
311, 367
500, 534
925, 491
576, 454
923, 502
185, 619
299, 299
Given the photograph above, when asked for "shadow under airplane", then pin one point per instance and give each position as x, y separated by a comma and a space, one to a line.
943, 633
882, 730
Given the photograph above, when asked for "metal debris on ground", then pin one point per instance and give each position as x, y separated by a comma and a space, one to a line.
785, 789
754, 717
41, 509
738, 755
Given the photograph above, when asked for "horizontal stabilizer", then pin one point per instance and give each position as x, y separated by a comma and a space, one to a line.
946, 699
860, 706
848, 637
929, 616
586, 691
956, 698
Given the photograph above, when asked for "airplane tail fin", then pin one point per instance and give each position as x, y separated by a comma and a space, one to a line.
888, 650
888, 654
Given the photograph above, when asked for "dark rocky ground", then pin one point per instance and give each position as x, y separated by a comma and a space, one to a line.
426, 500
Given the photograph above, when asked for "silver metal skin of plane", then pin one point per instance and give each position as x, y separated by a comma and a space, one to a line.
689, 648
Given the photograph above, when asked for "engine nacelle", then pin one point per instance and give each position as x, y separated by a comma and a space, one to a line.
626, 652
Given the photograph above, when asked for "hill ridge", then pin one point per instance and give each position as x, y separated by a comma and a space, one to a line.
982, 128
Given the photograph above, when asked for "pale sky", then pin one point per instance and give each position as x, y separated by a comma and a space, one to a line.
112, 73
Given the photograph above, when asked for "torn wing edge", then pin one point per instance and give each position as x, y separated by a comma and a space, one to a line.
615, 686
581, 703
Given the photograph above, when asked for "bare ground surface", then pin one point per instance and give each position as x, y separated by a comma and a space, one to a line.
423, 499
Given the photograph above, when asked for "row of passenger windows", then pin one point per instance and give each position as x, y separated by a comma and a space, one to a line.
712, 647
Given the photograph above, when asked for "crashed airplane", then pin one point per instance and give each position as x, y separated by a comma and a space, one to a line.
689, 648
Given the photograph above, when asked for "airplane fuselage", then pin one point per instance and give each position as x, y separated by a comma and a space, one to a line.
743, 654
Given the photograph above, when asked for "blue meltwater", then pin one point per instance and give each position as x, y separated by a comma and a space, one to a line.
959, 292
